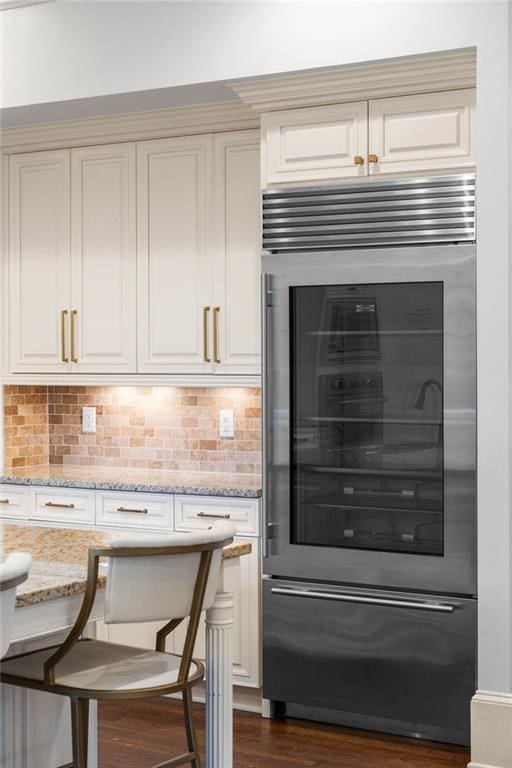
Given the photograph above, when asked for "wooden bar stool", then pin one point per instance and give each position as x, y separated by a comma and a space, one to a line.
13, 571
154, 577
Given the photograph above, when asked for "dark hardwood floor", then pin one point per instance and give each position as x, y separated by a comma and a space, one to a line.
138, 734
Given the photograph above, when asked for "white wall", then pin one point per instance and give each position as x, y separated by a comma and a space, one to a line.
69, 50
72, 50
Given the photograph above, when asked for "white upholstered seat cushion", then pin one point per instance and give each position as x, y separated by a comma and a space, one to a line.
98, 666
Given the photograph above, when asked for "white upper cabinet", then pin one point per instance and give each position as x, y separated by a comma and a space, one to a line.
422, 133
237, 246
174, 209
39, 268
199, 254
314, 144
103, 259
425, 132
72, 261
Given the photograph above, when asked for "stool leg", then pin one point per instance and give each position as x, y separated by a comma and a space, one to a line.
80, 731
190, 728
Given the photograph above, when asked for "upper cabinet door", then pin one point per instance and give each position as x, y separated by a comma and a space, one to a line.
314, 144
237, 246
425, 132
174, 277
39, 272
103, 320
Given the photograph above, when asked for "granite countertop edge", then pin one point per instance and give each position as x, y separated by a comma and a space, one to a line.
105, 485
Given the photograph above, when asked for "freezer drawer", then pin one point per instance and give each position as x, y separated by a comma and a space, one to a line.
391, 661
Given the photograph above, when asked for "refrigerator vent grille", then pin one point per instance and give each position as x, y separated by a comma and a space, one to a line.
440, 209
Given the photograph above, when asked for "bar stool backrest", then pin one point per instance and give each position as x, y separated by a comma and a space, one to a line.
157, 588
13, 571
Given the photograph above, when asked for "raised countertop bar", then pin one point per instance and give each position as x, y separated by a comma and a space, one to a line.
139, 480
59, 566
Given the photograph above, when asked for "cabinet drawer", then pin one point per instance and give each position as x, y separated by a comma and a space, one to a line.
193, 512
13, 502
134, 510
62, 505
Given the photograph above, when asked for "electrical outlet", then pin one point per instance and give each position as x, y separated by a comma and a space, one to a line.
226, 424
89, 419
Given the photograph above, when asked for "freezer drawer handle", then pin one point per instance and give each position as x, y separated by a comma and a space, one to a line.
440, 607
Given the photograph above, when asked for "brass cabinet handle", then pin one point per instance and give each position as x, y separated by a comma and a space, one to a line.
63, 356
225, 516
61, 505
135, 511
74, 313
358, 160
216, 313
373, 158
206, 351
4, 501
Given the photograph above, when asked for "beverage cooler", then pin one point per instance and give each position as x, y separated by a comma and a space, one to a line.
369, 592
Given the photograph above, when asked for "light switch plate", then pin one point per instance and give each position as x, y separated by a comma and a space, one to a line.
226, 424
88, 419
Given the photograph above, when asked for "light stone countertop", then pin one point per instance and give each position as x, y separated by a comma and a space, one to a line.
138, 480
59, 566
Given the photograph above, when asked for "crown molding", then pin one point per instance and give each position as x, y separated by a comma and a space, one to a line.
135, 126
396, 77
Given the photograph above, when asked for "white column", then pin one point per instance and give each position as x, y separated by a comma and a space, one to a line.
219, 681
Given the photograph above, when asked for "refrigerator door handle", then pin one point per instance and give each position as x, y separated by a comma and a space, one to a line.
350, 598
266, 406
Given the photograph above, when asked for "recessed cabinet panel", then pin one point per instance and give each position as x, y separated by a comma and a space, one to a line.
39, 261
422, 133
314, 144
237, 233
13, 502
242, 579
173, 208
103, 254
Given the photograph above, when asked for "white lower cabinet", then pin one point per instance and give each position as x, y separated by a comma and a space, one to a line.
14, 502
242, 578
146, 511
115, 511
62, 506
193, 513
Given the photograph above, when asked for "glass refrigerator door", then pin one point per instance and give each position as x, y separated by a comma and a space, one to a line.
367, 416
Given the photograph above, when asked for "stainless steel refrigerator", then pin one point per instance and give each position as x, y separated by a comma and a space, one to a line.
369, 588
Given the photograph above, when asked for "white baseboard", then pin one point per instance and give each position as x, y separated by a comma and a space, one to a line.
491, 730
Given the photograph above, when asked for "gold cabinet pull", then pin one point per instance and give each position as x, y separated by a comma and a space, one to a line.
133, 510
4, 501
206, 351
216, 313
63, 356
358, 160
74, 313
225, 516
373, 158
59, 505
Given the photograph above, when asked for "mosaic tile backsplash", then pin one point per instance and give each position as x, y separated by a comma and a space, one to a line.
166, 428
